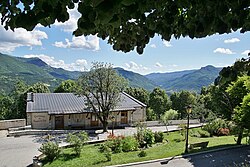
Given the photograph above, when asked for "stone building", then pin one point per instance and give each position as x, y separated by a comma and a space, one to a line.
69, 111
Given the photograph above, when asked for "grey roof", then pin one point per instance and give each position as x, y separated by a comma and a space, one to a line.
69, 103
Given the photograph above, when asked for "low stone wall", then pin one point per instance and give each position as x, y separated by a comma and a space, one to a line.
12, 123
171, 122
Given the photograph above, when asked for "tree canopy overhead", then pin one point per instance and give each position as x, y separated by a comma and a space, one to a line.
130, 24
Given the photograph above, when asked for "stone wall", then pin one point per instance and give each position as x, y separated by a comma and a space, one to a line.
172, 122
12, 123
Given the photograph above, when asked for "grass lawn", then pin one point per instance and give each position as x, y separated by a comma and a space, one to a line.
90, 155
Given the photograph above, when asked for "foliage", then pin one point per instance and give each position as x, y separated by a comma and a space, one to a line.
115, 144
142, 154
181, 100
139, 93
169, 115
144, 136
150, 114
159, 137
50, 149
214, 126
77, 141
199, 133
106, 150
159, 101
68, 86
119, 144
39, 87
238, 89
149, 137
6, 103
173, 19
102, 87
199, 111
108, 153
92, 157
182, 130
242, 114
129, 144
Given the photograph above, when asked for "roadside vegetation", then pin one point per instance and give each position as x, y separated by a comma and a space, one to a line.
145, 145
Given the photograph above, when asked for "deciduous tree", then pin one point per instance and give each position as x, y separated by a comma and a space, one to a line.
68, 86
102, 87
140, 94
159, 102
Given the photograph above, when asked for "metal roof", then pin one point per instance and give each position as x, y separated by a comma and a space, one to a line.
69, 103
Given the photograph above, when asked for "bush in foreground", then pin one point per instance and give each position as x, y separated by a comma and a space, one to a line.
50, 149
77, 141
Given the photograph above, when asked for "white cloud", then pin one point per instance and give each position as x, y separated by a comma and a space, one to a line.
71, 24
246, 52
173, 65
153, 46
223, 51
166, 43
90, 42
232, 40
134, 66
158, 65
78, 65
10, 40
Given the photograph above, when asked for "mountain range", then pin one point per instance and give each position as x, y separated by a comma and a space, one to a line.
32, 70
192, 80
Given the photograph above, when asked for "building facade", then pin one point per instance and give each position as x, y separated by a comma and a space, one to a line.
69, 111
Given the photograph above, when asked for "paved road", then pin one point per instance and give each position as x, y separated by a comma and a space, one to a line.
235, 157
18, 151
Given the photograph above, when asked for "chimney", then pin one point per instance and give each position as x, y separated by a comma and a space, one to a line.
30, 97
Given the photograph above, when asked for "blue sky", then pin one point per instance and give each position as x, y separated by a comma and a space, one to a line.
58, 48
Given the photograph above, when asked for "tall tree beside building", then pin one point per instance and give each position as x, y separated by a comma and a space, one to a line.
68, 86
140, 94
159, 101
181, 100
102, 86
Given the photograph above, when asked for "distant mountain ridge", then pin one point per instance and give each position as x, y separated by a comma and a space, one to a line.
192, 80
33, 70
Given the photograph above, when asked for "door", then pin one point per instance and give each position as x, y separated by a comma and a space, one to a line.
124, 117
59, 122
94, 120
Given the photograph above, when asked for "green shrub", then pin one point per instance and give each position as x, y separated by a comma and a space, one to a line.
50, 149
108, 154
142, 154
129, 144
103, 148
215, 125
77, 141
159, 137
149, 137
195, 133
203, 133
115, 144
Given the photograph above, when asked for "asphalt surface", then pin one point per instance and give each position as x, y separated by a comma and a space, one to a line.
18, 151
234, 157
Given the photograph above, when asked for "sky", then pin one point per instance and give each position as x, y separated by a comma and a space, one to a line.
60, 49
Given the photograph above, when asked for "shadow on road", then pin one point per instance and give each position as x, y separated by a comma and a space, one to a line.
229, 157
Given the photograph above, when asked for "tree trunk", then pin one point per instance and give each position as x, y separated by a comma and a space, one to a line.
105, 126
240, 135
